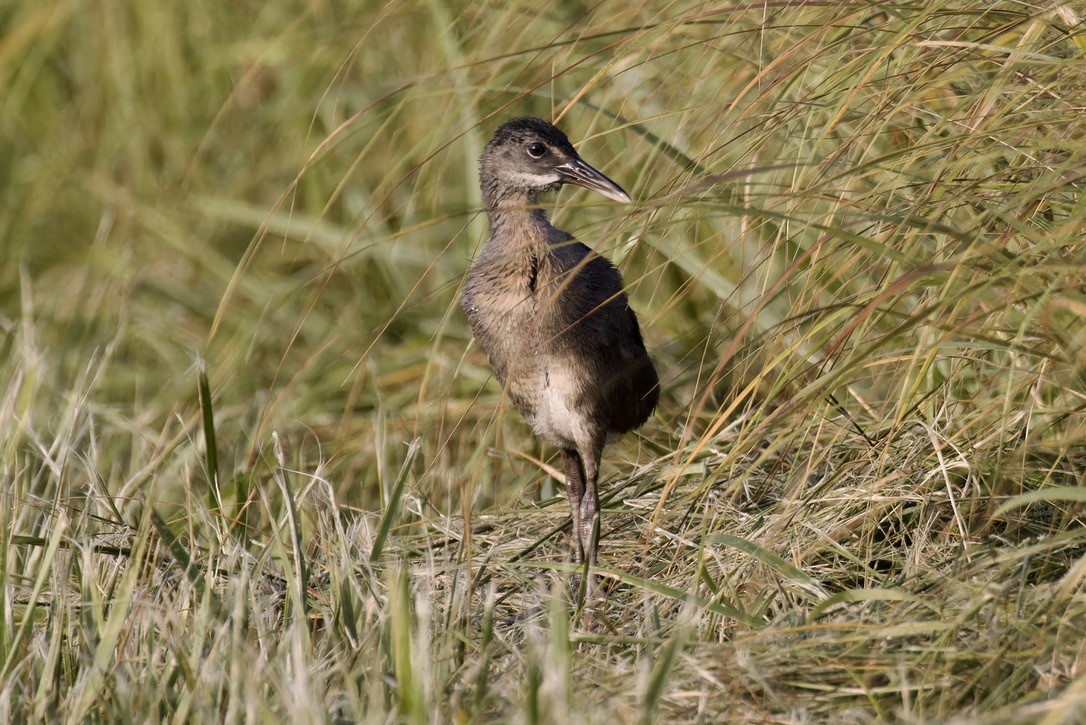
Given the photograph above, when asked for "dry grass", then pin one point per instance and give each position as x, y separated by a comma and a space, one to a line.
254, 469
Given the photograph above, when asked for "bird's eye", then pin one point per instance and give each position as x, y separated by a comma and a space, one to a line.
536, 150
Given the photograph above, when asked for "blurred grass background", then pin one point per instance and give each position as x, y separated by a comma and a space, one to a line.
856, 250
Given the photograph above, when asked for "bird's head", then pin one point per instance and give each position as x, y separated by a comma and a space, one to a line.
527, 156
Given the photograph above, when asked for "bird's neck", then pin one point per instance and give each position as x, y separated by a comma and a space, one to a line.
515, 218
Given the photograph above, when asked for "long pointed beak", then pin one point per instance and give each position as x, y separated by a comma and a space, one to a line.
579, 173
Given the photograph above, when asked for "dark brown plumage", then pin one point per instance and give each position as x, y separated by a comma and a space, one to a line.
552, 316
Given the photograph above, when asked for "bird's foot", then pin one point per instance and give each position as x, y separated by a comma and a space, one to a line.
583, 588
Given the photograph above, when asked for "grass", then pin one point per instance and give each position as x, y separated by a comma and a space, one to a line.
254, 469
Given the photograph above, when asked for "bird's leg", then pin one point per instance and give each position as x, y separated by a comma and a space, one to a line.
575, 490
590, 508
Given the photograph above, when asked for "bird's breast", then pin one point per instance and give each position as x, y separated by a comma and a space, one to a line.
500, 305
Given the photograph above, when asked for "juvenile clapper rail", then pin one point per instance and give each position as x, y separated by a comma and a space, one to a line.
552, 316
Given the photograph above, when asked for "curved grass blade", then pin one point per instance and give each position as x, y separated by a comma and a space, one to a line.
864, 595
1068, 494
788, 571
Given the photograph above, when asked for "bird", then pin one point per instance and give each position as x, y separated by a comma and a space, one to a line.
552, 315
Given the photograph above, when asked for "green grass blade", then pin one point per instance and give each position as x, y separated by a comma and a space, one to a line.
661, 670
211, 448
392, 509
